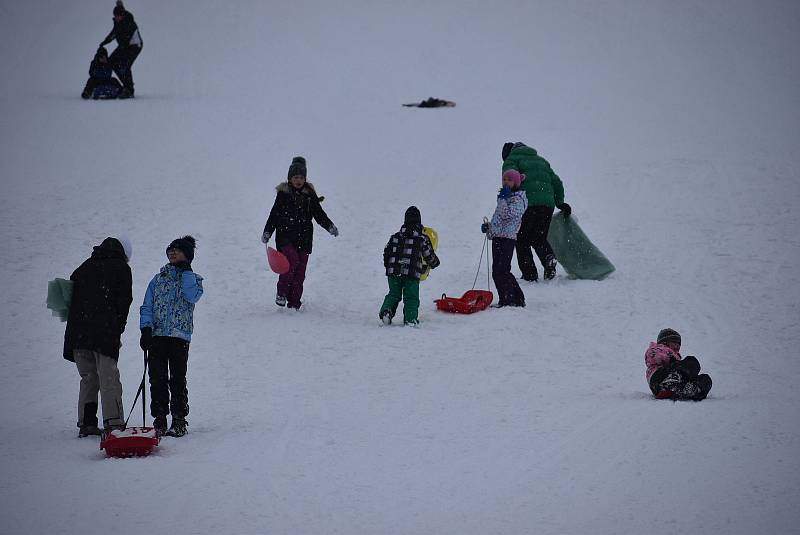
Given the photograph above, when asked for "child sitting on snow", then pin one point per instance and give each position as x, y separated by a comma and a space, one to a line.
669, 375
101, 82
503, 229
403, 259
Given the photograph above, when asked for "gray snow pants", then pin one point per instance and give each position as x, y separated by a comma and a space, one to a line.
99, 373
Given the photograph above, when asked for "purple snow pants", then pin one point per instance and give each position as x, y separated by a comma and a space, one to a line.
510, 294
290, 284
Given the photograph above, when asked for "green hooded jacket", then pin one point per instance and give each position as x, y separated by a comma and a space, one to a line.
541, 185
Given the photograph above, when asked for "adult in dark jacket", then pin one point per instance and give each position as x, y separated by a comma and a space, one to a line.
296, 205
129, 45
101, 297
545, 192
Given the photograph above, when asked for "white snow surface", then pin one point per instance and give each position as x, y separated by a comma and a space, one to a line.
675, 126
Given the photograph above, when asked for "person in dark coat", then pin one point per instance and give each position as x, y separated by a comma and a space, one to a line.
296, 205
101, 82
101, 298
129, 45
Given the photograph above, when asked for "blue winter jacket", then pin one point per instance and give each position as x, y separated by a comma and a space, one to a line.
507, 216
168, 306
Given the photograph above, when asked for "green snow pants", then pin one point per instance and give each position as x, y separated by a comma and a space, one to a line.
407, 290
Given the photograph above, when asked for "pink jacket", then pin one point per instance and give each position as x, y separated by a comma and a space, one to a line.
658, 355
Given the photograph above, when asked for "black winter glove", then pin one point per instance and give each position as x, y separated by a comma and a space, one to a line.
565, 209
184, 266
147, 338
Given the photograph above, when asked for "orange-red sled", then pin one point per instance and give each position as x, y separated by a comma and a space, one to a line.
130, 442
472, 301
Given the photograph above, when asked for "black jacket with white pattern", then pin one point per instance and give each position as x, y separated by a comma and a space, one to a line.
404, 254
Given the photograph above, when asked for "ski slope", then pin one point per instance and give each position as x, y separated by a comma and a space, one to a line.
675, 127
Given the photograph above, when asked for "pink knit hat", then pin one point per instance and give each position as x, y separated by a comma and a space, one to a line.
515, 176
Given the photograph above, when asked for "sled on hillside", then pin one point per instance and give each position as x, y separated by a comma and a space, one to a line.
278, 262
579, 257
434, 236
472, 301
59, 297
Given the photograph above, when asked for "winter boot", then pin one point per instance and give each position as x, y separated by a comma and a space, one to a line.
411, 323
550, 267
178, 427
280, 300
386, 317
89, 430
160, 425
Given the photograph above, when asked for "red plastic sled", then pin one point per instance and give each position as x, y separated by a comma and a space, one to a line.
277, 261
472, 301
130, 442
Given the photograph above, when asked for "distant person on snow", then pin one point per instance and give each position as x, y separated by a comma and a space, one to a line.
545, 192
129, 45
296, 205
167, 322
101, 83
502, 230
669, 375
101, 298
403, 259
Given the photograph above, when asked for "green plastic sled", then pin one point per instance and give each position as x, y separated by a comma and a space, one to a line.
59, 297
575, 252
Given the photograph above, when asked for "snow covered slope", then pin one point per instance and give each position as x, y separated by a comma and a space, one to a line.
675, 127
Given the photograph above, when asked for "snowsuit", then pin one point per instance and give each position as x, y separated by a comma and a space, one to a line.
503, 230
403, 259
290, 218
129, 45
672, 377
168, 309
545, 191
101, 298
101, 82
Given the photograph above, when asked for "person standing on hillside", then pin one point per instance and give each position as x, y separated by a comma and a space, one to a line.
166, 320
545, 192
129, 45
296, 205
101, 297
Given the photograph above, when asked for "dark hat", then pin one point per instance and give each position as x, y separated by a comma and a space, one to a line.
186, 245
668, 335
298, 167
507, 149
119, 8
413, 217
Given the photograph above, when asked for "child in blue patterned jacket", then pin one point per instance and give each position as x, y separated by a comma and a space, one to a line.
166, 321
507, 218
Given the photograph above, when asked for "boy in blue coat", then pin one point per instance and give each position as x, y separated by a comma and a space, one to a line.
166, 322
101, 82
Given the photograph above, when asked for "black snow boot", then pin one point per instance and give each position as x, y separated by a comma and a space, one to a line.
549, 267
160, 425
89, 430
178, 427
386, 317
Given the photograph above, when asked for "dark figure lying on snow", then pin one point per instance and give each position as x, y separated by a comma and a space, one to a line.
431, 103
101, 83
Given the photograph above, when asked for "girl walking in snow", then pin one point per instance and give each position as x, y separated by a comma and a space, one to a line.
167, 323
406, 256
503, 229
296, 205
669, 375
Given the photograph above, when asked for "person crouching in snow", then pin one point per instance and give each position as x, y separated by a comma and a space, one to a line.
403, 259
296, 204
167, 321
101, 82
669, 375
503, 229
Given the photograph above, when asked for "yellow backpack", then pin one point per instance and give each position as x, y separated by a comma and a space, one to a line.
434, 236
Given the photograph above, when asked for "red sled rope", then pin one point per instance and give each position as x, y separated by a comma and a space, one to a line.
132, 441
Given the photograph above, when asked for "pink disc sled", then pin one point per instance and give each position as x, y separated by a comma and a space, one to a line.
277, 261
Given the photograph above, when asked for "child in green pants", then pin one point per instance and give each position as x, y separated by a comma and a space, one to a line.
403, 259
